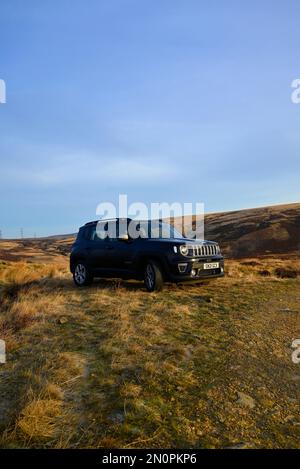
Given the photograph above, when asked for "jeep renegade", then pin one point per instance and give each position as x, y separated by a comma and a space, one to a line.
160, 254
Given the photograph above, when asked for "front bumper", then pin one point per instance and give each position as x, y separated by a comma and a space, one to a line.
194, 269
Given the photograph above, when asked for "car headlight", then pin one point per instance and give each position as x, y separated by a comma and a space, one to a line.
184, 250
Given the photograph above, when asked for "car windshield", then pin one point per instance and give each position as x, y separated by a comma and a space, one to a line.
138, 229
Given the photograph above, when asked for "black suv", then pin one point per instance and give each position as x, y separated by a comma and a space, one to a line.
158, 254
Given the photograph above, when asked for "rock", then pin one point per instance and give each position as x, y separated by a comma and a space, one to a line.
240, 446
245, 400
62, 320
291, 420
288, 310
296, 378
204, 299
135, 430
117, 417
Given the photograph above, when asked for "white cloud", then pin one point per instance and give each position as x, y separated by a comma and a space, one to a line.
68, 168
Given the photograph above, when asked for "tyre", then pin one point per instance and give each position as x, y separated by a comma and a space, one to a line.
81, 275
153, 277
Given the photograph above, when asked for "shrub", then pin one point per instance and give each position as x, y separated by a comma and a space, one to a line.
264, 273
282, 272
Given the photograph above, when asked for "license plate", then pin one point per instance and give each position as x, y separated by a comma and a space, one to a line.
211, 265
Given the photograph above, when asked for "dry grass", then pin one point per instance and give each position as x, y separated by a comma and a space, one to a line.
112, 366
39, 419
22, 300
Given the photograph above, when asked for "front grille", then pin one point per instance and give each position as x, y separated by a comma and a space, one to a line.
204, 250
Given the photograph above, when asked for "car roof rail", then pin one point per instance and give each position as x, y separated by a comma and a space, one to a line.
91, 222
105, 220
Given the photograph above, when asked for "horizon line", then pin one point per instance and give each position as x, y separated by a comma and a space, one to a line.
205, 214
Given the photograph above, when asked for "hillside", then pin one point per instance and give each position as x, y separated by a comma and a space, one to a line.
266, 230
257, 231
36, 250
242, 233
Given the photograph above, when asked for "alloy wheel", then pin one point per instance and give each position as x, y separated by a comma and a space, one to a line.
80, 274
150, 276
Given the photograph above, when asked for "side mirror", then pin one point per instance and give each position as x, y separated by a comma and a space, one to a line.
124, 237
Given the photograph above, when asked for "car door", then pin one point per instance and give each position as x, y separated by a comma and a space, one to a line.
122, 250
97, 249
123, 255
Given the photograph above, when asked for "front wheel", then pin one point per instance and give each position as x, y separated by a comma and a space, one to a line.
81, 275
153, 277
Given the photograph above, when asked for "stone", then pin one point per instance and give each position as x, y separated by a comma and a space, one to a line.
240, 446
62, 320
117, 417
245, 400
296, 378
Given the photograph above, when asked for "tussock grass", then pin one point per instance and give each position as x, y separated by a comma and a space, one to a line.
282, 272
40, 418
22, 273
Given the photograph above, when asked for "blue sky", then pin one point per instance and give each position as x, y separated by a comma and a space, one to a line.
165, 100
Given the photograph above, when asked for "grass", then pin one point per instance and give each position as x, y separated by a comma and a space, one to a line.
113, 366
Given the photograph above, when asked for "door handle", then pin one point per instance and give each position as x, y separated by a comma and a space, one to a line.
109, 247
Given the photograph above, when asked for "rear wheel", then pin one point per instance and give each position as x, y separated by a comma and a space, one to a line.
82, 275
153, 277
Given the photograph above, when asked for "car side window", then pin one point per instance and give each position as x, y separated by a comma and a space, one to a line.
86, 232
91, 235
